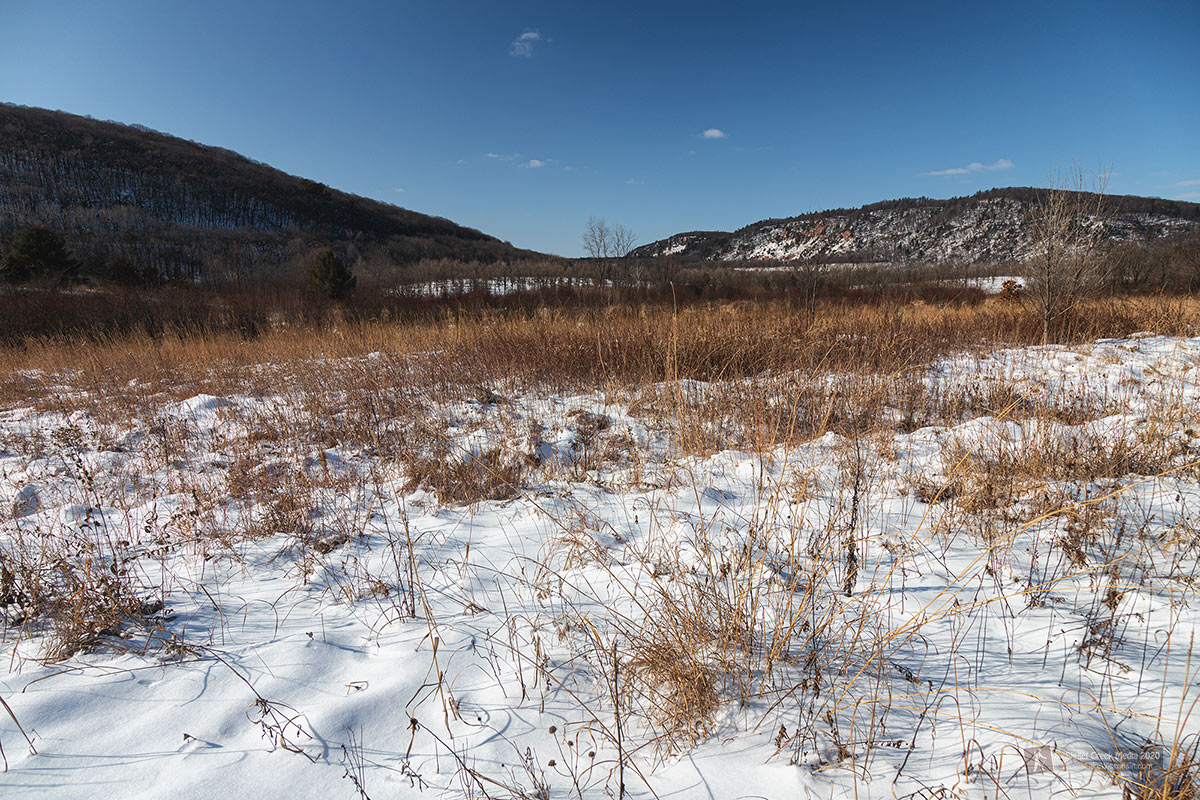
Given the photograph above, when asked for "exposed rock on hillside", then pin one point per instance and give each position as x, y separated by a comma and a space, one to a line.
991, 226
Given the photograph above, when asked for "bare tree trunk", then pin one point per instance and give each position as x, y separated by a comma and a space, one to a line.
1067, 229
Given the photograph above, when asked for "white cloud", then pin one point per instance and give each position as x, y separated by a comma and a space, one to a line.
632, 182
1188, 183
713, 133
509, 157
522, 46
974, 166
398, 189
1188, 196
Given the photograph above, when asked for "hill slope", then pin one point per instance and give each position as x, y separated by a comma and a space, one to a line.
121, 191
991, 226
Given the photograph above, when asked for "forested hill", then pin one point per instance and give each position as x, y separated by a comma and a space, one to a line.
991, 226
185, 209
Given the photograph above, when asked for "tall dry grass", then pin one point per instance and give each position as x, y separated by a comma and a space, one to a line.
622, 344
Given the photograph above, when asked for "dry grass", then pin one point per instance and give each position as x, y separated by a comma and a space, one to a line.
467, 478
563, 349
1170, 776
72, 588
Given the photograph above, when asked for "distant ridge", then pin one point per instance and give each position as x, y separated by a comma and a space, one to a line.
185, 209
990, 226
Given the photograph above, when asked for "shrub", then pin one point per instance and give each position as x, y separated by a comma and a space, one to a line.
38, 253
123, 272
330, 277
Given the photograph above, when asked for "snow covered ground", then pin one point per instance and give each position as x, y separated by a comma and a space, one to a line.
1004, 606
994, 284
495, 286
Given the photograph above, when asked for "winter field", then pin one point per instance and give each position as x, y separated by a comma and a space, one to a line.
888, 550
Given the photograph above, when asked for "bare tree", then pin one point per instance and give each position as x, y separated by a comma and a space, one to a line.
811, 277
601, 241
623, 240
1187, 259
597, 238
1067, 230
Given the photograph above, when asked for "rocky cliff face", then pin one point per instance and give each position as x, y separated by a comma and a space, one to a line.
989, 227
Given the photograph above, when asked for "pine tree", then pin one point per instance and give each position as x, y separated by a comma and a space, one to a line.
36, 254
330, 277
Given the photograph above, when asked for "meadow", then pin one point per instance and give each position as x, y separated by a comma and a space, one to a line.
587, 541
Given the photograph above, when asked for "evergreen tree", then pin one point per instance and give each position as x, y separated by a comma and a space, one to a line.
330, 277
36, 254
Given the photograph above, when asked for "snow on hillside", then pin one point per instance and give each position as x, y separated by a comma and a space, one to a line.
975, 230
876, 617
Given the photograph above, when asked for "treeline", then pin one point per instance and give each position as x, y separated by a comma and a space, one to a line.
1119, 210
1025, 195
97, 306
250, 310
119, 192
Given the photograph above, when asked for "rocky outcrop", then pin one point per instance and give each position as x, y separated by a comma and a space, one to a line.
988, 227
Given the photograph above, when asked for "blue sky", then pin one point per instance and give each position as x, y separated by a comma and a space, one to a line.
523, 119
